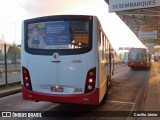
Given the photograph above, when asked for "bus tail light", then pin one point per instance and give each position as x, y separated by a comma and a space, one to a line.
91, 80
26, 78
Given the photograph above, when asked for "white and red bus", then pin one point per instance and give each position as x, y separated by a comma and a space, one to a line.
139, 58
65, 59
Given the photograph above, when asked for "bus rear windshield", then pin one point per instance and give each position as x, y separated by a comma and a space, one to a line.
57, 35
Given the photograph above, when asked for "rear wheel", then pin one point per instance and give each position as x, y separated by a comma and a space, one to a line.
1, 71
108, 82
106, 94
103, 100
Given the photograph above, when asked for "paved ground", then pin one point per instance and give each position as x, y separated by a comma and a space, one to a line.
151, 99
153, 90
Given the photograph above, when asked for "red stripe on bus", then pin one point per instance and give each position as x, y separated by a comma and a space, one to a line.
93, 97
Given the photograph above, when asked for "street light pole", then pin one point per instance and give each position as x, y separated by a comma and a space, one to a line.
14, 30
16, 44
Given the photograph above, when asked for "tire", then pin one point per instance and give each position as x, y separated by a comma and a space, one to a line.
108, 81
0, 74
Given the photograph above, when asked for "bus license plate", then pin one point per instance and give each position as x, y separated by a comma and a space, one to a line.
55, 89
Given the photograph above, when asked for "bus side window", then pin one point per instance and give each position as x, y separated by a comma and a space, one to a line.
100, 44
99, 37
103, 46
107, 50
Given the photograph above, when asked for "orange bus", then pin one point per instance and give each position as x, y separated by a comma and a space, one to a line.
139, 58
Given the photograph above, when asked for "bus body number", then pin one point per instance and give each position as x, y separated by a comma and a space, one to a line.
78, 90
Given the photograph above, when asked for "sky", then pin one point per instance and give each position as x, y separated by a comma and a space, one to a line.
14, 13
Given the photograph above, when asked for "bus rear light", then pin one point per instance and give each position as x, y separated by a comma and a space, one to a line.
27, 84
89, 87
26, 78
90, 80
25, 71
91, 73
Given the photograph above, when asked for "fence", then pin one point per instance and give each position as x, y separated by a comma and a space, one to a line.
10, 62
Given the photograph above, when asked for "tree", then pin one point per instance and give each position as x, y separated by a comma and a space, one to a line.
14, 50
13, 53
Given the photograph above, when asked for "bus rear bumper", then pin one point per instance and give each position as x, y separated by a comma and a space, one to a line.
140, 64
89, 99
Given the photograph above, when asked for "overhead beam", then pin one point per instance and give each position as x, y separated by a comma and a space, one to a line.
147, 21
138, 13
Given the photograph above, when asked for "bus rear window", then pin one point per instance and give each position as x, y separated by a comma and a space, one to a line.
55, 35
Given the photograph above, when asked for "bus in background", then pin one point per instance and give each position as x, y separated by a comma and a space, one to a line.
65, 59
125, 57
139, 58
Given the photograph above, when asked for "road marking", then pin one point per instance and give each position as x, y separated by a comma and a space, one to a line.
131, 103
14, 72
119, 73
116, 75
136, 98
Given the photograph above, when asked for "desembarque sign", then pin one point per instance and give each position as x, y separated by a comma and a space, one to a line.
120, 5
